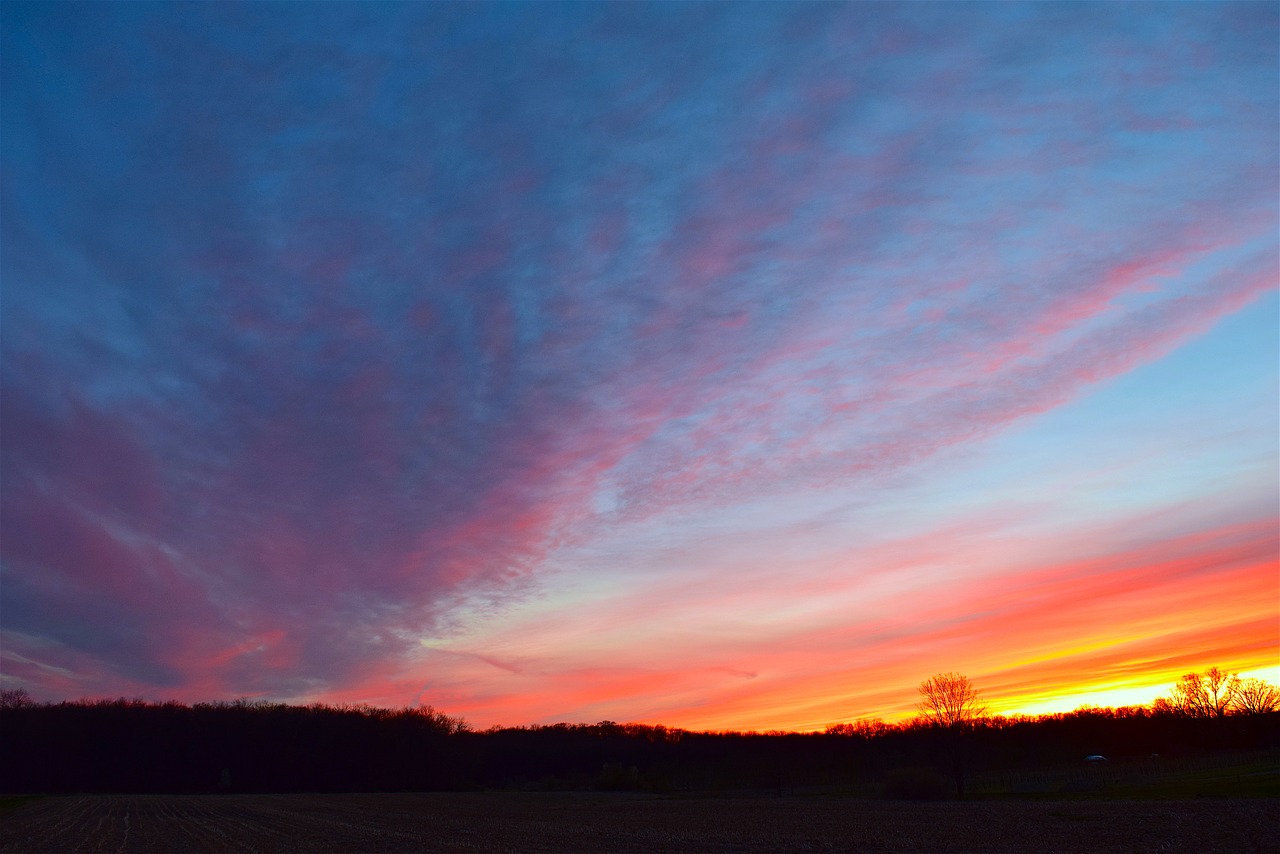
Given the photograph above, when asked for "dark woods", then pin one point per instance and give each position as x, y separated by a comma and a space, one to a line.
133, 746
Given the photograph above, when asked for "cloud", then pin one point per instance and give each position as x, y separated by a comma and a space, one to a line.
323, 337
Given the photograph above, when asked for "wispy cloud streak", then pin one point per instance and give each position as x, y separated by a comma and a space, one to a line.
326, 337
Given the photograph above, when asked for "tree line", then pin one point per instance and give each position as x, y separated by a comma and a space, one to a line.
950, 702
244, 746
1216, 694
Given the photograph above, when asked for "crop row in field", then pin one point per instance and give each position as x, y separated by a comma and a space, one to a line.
560, 822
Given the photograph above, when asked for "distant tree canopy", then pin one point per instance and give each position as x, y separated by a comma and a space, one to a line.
15, 698
950, 700
242, 746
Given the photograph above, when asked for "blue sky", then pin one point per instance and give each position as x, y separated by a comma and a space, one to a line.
710, 364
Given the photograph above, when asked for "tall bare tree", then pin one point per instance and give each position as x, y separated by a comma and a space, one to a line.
1205, 695
1256, 697
950, 700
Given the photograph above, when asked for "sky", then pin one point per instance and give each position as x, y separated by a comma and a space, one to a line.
736, 365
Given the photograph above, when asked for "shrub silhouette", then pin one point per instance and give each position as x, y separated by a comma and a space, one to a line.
616, 777
916, 784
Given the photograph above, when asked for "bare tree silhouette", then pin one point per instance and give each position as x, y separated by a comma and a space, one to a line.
15, 698
950, 700
1205, 695
1256, 697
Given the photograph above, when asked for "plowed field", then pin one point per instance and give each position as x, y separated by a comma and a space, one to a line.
625, 823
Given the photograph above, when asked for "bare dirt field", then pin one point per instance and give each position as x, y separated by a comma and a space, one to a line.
557, 822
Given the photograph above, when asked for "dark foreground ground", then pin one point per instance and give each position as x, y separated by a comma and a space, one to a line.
532, 822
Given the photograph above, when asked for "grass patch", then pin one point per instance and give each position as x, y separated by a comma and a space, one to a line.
1205, 784
8, 803
1241, 776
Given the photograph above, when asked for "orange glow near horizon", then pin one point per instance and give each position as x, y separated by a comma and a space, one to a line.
1112, 629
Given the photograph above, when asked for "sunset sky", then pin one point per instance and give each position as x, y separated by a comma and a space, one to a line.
721, 366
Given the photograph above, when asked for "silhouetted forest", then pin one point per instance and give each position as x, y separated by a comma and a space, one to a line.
135, 746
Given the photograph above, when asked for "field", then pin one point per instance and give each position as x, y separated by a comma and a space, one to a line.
1226, 775
564, 822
